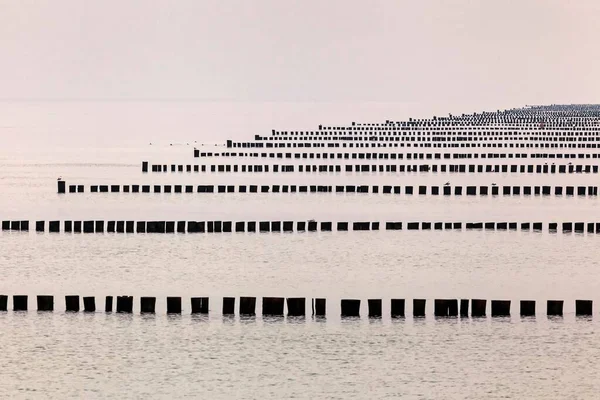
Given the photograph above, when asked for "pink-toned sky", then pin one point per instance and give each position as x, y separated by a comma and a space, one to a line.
455, 52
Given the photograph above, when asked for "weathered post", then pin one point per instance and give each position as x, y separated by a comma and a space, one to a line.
108, 304
319, 307
554, 308
147, 305
397, 308
527, 308
45, 303
350, 308
500, 308
72, 303
228, 305
419, 307
464, 307
20, 302
374, 308
478, 307
173, 305
248, 305
89, 304
199, 305
273, 306
296, 306
125, 304
3, 302
583, 307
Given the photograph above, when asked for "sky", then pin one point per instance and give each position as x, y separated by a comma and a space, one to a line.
455, 52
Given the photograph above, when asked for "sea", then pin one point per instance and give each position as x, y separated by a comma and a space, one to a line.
109, 355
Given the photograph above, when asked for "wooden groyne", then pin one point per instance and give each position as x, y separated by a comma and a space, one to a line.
296, 306
408, 190
397, 156
165, 226
422, 144
398, 168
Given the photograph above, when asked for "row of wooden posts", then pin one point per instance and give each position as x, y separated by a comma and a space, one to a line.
297, 306
398, 156
348, 144
431, 136
375, 189
100, 226
442, 168
392, 130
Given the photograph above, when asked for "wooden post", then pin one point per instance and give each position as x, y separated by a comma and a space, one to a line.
108, 304
419, 307
147, 305
350, 308
173, 305
375, 307
45, 303
248, 305
319, 307
124, 304
199, 305
20, 303
273, 306
72, 303
228, 305
89, 304
296, 306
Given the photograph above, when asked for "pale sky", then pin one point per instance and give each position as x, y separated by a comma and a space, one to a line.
516, 52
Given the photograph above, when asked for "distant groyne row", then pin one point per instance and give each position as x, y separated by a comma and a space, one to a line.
377, 144
436, 137
408, 190
443, 168
165, 226
398, 156
296, 306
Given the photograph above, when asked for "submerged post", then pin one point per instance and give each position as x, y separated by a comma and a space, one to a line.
375, 307
3, 302
199, 305
108, 304
319, 307
147, 305
72, 303
20, 303
273, 306
228, 305
296, 306
125, 304
350, 308
45, 303
419, 307
62, 186
248, 305
583, 307
397, 308
173, 305
89, 304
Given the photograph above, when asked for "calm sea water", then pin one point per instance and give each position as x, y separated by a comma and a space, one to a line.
131, 356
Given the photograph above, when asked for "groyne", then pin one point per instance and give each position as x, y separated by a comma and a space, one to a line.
166, 226
408, 190
379, 167
296, 306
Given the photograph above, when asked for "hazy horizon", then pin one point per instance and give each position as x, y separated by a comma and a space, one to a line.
467, 54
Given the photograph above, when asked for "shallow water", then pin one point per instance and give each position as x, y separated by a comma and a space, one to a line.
132, 356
